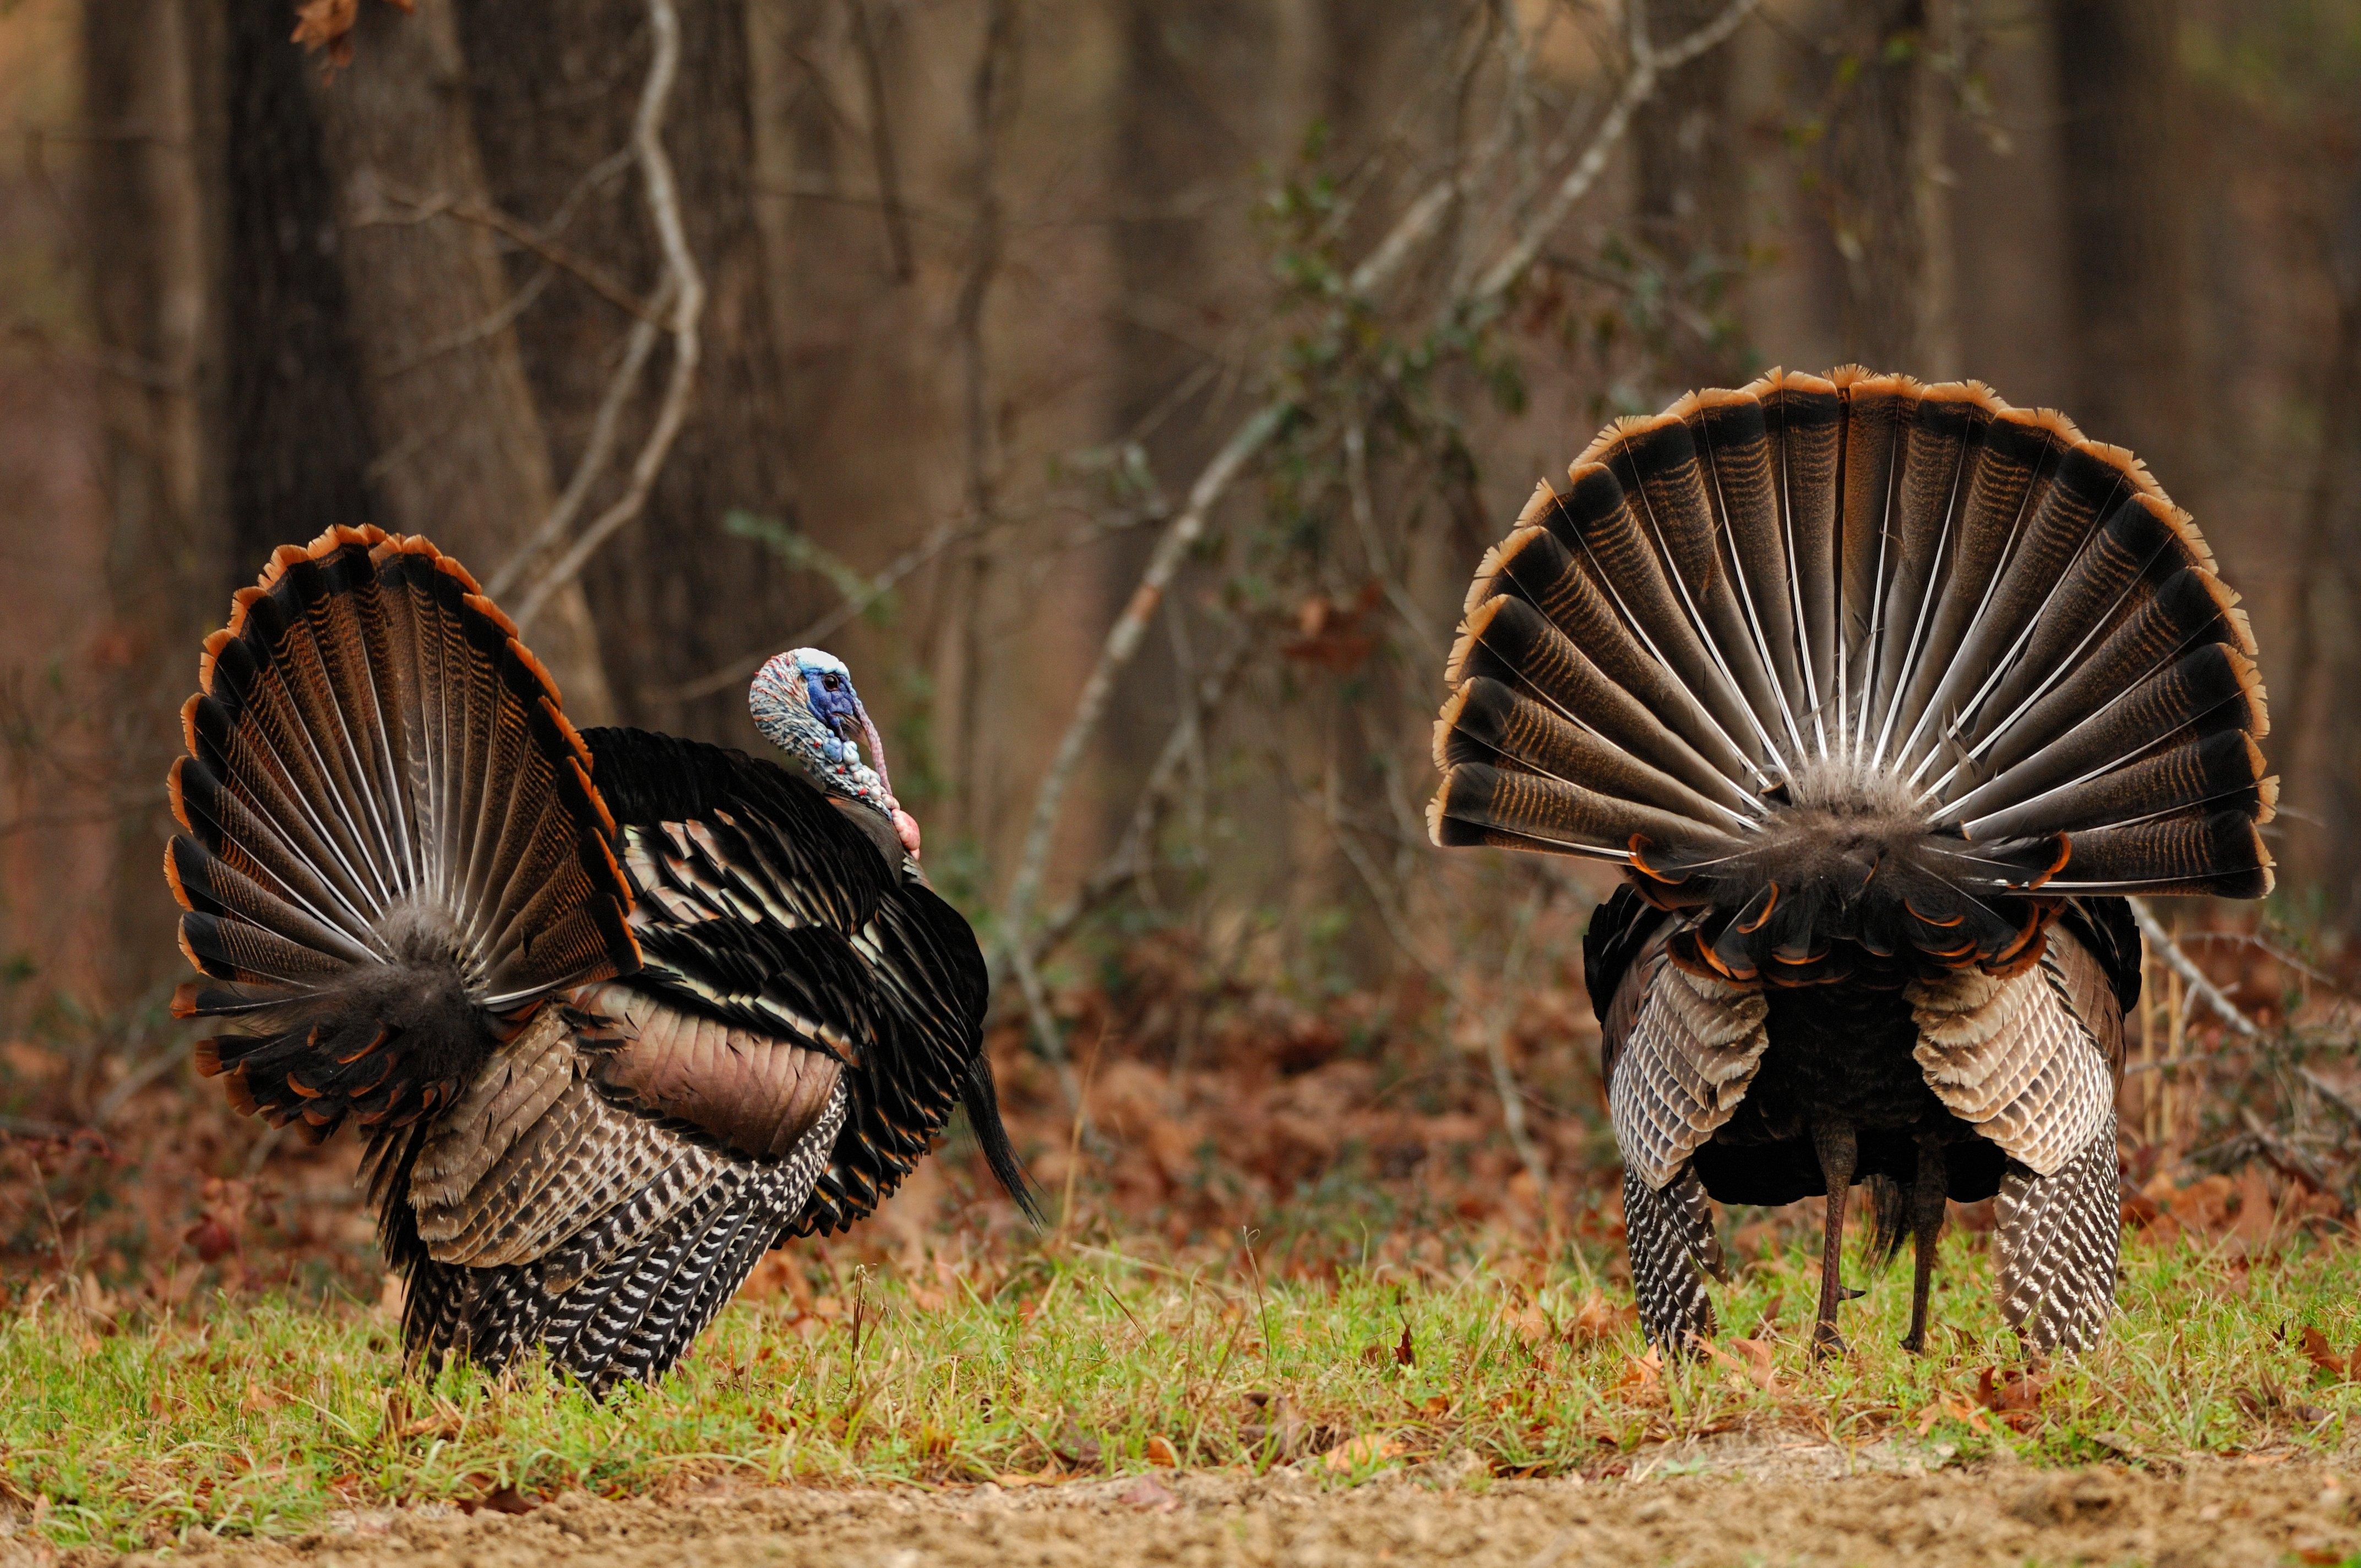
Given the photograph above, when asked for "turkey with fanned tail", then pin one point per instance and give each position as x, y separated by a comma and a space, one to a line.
615, 1012
1885, 695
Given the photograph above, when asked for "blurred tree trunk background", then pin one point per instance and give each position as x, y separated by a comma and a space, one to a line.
988, 289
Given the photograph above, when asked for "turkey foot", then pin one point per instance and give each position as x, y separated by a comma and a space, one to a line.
1833, 1142
1927, 1197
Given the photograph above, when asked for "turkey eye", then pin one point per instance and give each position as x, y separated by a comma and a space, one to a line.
831, 682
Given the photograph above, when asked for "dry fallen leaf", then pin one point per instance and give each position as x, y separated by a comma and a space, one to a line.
2014, 1393
1598, 1318
1161, 1453
1356, 1453
2324, 1357
1757, 1354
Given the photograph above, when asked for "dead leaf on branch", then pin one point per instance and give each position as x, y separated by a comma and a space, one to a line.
326, 26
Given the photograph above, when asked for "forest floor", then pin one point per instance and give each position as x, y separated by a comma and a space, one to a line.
1736, 1503
1299, 1296
1246, 1408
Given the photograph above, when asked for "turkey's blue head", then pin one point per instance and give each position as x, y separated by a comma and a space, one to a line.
803, 704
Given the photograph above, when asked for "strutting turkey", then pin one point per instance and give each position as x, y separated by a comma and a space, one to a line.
615, 1012
1884, 695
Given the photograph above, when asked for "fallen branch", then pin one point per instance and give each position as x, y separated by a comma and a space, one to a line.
687, 307
2291, 1162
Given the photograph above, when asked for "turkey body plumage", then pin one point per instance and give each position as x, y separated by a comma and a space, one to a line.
615, 1012
1885, 695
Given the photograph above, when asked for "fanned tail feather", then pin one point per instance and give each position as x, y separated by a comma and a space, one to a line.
392, 849
1860, 657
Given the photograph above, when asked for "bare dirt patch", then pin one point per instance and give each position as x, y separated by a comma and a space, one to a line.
1770, 1506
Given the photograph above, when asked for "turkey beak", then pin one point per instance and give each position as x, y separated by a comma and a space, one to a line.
906, 826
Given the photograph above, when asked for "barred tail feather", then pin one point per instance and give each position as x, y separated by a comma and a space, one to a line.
1673, 1249
2058, 1237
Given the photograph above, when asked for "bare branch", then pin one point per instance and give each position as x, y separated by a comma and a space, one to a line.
1648, 67
636, 350
2204, 990
687, 307
509, 226
1130, 859
881, 585
1123, 641
1391, 253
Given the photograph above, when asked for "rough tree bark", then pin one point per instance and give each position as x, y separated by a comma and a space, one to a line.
462, 455
554, 87
1889, 209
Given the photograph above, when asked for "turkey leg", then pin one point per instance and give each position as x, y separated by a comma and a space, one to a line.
1927, 1198
1834, 1143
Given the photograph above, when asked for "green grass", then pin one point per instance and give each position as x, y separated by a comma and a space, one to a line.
262, 1418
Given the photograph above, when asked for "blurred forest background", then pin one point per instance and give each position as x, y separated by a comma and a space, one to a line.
1126, 389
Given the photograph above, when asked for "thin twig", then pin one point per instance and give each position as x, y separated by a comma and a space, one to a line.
2336, 1097
1130, 859
1649, 65
687, 307
508, 225
853, 605
1495, 1049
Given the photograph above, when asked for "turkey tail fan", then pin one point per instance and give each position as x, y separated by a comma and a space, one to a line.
1858, 657
392, 849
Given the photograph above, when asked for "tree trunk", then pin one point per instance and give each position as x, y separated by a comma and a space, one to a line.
1689, 156
461, 452
555, 87
152, 79
296, 423
1888, 212
2127, 234
2317, 663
